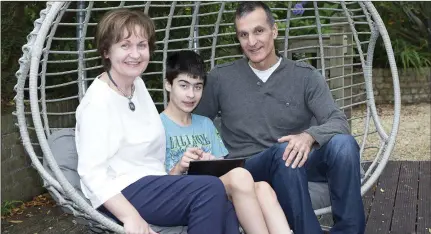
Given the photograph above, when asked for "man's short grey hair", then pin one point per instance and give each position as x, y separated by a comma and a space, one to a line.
245, 8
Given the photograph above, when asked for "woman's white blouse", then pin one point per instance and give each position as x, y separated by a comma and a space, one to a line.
117, 146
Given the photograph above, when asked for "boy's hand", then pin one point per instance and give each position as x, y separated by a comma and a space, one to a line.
207, 156
188, 156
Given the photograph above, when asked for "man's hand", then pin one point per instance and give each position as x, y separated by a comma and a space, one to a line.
136, 225
298, 148
188, 156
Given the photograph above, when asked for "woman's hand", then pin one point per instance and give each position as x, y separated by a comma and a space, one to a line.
121, 208
137, 225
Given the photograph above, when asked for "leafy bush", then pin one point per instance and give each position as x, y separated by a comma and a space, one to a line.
409, 27
16, 24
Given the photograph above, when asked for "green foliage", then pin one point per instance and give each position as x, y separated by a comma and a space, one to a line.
8, 206
408, 25
16, 24
327, 11
410, 56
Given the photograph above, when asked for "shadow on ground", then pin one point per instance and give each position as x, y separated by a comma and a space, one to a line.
42, 220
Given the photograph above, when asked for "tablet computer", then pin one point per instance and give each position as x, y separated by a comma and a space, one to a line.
217, 167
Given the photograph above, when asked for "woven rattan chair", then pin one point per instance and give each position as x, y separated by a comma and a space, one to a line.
59, 62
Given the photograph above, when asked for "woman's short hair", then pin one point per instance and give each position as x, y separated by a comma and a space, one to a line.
111, 27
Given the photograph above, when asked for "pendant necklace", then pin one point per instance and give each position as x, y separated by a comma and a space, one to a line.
131, 104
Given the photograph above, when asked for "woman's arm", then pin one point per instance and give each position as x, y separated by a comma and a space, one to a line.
95, 144
127, 214
95, 140
121, 208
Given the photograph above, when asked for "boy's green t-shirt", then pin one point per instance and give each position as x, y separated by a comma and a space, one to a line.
201, 133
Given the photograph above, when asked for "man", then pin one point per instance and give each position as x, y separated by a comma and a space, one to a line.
267, 104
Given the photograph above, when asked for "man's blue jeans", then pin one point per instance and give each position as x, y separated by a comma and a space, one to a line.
337, 162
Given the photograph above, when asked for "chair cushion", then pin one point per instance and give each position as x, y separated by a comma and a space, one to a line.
170, 230
63, 148
319, 193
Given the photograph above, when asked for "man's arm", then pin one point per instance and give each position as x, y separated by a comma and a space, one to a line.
330, 119
218, 148
209, 104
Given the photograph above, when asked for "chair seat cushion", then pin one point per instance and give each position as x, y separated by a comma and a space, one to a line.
170, 230
63, 148
319, 193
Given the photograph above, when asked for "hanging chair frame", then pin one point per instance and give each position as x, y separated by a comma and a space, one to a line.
34, 55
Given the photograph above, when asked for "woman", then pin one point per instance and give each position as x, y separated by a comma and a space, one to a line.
121, 143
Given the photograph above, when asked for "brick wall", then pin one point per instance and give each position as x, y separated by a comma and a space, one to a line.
19, 181
415, 88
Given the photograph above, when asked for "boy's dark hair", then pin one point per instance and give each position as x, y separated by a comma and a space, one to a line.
185, 62
245, 8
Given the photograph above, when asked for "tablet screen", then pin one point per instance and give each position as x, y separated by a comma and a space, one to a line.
217, 167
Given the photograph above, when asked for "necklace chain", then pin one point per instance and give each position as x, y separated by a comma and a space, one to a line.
124, 93
131, 104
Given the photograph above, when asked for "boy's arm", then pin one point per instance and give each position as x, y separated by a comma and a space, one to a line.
176, 170
183, 164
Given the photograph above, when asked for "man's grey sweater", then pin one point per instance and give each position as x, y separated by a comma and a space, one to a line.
255, 114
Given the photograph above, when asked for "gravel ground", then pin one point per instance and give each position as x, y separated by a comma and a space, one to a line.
414, 134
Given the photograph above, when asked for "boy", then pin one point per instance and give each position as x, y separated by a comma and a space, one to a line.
193, 137
184, 129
